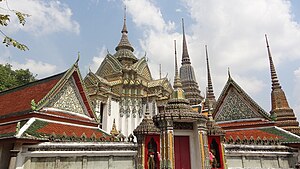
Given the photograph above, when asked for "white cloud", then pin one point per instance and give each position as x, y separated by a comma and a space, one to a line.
146, 14
39, 68
46, 17
296, 93
97, 60
36, 67
158, 35
235, 31
178, 10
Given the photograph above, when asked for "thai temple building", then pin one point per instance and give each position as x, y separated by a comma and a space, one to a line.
121, 87
120, 117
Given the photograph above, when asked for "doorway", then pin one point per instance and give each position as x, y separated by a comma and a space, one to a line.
182, 152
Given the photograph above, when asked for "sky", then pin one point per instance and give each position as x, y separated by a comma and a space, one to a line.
233, 30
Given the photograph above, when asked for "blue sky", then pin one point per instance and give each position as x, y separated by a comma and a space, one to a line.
233, 30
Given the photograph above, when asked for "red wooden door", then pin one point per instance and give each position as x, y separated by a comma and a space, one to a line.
182, 152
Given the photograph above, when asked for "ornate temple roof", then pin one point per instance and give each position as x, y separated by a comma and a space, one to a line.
187, 75
54, 108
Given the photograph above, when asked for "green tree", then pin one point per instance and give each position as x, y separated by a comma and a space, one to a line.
12, 78
5, 16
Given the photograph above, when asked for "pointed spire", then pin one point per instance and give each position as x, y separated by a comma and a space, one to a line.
177, 83
124, 42
275, 81
185, 54
228, 72
210, 91
159, 71
114, 130
124, 30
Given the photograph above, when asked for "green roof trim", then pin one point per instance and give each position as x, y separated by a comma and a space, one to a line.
284, 136
5, 135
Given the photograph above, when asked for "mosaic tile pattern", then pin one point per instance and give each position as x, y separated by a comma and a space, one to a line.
68, 99
234, 108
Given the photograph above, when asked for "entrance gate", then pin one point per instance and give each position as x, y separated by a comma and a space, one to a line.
182, 152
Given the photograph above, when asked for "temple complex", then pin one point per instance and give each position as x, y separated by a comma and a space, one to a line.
120, 117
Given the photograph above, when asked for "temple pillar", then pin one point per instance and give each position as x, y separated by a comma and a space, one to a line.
141, 151
203, 144
14, 154
167, 145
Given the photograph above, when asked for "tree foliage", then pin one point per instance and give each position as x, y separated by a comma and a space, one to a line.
4, 20
12, 78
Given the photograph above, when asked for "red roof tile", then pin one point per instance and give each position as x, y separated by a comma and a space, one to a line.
8, 128
245, 124
67, 115
60, 129
255, 133
19, 99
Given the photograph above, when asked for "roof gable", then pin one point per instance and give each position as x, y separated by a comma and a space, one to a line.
69, 94
109, 66
65, 91
235, 104
68, 99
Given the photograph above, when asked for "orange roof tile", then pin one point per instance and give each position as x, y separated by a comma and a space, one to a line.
255, 133
59, 129
245, 124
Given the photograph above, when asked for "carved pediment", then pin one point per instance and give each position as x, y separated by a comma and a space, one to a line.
235, 104
234, 107
109, 66
68, 99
